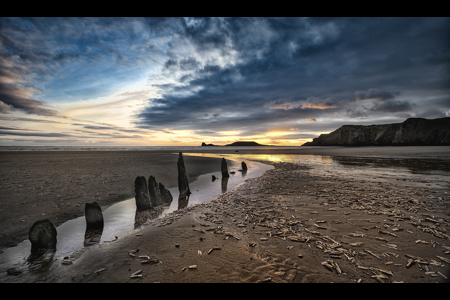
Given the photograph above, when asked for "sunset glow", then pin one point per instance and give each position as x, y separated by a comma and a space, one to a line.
184, 81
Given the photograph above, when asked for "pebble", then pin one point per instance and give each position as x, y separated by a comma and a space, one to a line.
14, 271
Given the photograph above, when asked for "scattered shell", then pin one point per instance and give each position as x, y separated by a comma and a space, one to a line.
443, 259
193, 267
136, 274
370, 252
358, 234
320, 227
332, 266
439, 273
357, 244
100, 270
213, 248
150, 261
410, 263
423, 242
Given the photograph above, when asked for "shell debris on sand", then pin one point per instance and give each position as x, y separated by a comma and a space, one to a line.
137, 274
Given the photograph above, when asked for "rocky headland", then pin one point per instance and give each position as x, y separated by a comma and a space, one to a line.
412, 132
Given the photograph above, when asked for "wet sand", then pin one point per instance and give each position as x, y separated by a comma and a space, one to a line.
289, 225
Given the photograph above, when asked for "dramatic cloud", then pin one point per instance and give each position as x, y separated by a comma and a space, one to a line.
187, 79
315, 68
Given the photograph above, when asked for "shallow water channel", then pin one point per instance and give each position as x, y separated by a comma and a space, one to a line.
119, 219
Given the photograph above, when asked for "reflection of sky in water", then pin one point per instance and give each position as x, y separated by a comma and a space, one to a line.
353, 166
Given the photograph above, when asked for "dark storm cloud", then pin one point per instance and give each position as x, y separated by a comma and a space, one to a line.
28, 120
96, 127
9, 128
315, 67
392, 106
20, 97
373, 94
41, 134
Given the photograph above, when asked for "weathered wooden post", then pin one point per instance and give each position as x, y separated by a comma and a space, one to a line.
153, 190
42, 236
183, 184
224, 169
94, 223
141, 194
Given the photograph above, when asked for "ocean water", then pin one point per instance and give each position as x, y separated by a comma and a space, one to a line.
134, 148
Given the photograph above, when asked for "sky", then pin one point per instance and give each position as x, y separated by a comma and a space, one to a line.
184, 81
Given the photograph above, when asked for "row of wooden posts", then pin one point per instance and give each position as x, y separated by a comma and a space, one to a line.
42, 233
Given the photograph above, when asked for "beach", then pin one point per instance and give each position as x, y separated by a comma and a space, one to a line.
335, 223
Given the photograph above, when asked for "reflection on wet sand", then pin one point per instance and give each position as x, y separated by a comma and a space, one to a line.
323, 162
143, 216
41, 259
224, 184
413, 165
183, 201
94, 223
92, 236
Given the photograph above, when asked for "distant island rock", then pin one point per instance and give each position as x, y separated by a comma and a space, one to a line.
412, 132
245, 143
203, 144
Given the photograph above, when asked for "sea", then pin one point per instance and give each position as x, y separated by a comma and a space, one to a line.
139, 148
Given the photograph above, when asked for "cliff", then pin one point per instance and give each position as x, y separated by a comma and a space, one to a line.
412, 132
